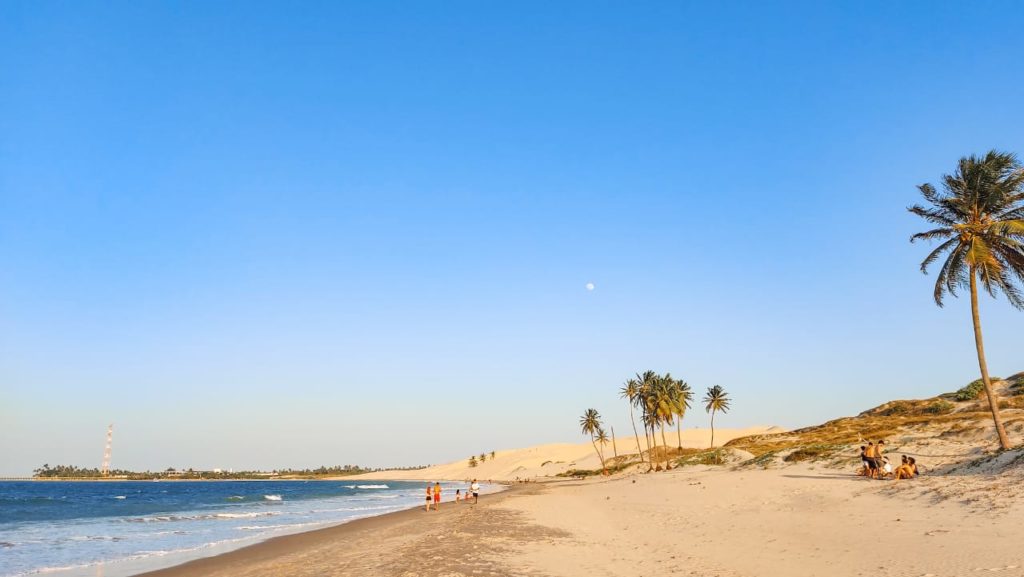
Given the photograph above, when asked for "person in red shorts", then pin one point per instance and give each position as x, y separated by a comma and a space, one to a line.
437, 495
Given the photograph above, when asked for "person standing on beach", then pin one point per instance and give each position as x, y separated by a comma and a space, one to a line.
879, 458
437, 495
429, 497
475, 488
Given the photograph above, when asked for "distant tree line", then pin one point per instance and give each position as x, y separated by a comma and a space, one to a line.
72, 471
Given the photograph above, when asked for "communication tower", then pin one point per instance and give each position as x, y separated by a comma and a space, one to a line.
105, 469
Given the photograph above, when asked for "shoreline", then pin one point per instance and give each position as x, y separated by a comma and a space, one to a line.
797, 521
237, 561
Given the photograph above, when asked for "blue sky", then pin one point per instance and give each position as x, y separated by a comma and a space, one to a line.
247, 233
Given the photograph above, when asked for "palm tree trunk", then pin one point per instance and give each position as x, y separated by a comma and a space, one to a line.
650, 453
993, 402
599, 455
712, 428
652, 444
636, 435
679, 432
663, 442
615, 448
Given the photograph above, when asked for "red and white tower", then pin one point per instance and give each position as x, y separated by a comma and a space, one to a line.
105, 469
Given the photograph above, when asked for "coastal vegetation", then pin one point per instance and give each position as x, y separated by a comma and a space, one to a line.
475, 460
943, 416
662, 401
590, 424
74, 472
716, 399
979, 214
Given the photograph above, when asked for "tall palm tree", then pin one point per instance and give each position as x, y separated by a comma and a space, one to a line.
681, 397
590, 424
716, 399
645, 400
663, 407
630, 391
980, 218
602, 440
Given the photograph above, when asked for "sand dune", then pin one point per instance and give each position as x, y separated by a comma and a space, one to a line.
550, 460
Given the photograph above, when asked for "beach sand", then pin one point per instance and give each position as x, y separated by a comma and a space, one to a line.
793, 521
552, 459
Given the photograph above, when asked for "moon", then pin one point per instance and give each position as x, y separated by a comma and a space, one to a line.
590, 286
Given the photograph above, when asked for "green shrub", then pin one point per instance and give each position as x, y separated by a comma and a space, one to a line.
939, 407
762, 460
811, 452
712, 457
591, 472
1017, 385
972, 391
897, 408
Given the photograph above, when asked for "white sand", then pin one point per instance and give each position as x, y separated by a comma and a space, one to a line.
550, 460
794, 521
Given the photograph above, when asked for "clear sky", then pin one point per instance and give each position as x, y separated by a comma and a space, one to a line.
263, 235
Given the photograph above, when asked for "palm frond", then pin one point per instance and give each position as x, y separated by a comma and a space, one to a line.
937, 253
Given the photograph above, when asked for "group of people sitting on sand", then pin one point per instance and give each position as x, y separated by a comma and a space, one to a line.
877, 466
434, 494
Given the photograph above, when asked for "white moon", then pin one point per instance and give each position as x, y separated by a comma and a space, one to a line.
590, 286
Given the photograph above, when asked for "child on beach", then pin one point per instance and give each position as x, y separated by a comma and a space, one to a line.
429, 497
458, 495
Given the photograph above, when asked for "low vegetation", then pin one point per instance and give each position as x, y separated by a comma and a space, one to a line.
972, 391
814, 452
889, 421
611, 468
74, 472
702, 457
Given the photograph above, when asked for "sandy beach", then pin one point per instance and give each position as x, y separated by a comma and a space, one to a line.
771, 515
800, 520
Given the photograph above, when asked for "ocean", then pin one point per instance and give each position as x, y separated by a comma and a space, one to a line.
121, 528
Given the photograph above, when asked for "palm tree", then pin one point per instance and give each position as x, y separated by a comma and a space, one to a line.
666, 407
602, 440
660, 407
645, 400
590, 424
681, 397
630, 391
716, 399
980, 218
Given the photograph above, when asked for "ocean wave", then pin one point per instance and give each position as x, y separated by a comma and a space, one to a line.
245, 515
372, 487
96, 538
120, 497
236, 498
172, 518
282, 526
273, 497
